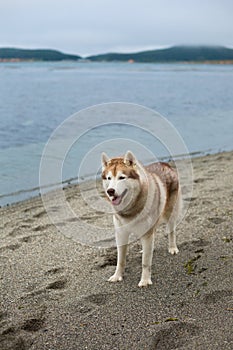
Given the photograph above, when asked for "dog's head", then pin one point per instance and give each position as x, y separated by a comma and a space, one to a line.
121, 180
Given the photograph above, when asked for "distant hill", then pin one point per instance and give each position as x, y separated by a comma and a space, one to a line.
172, 54
36, 55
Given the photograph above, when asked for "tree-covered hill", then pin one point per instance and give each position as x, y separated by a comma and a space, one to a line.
172, 54
36, 55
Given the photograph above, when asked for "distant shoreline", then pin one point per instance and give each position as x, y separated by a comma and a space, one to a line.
211, 62
174, 54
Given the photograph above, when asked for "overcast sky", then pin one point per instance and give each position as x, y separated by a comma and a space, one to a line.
97, 26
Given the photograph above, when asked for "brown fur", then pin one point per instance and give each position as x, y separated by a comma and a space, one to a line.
169, 177
163, 170
116, 164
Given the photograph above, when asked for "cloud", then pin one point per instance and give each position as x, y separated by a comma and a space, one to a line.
94, 26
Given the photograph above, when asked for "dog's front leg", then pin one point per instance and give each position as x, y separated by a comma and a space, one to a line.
147, 254
121, 261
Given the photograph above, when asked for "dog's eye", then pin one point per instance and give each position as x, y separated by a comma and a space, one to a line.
121, 177
109, 178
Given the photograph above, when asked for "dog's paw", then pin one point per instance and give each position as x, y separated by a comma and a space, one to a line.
145, 283
115, 278
173, 250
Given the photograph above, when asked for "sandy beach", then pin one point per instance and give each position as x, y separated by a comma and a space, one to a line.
55, 296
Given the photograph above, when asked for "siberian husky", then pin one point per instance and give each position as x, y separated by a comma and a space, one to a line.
142, 197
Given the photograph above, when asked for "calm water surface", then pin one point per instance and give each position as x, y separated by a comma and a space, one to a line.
35, 98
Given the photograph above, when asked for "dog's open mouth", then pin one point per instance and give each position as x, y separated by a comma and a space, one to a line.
117, 199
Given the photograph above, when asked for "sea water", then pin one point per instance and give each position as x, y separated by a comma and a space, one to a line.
36, 97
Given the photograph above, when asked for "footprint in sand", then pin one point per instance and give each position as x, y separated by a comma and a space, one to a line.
54, 271
216, 220
98, 299
12, 341
109, 260
215, 296
32, 208
41, 227
18, 230
58, 284
10, 247
174, 336
196, 244
89, 303
33, 324
39, 214
30, 238
12, 337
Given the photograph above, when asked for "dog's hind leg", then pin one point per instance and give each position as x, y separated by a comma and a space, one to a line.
172, 219
171, 229
147, 254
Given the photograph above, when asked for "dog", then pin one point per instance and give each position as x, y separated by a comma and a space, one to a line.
142, 197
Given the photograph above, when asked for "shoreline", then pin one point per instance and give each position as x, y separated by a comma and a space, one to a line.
35, 192
130, 61
54, 292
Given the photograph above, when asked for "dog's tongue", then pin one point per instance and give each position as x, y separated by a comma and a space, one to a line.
116, 200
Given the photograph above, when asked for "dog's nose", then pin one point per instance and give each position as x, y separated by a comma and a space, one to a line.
111, 192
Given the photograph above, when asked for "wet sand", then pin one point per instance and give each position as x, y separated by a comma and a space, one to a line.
54, 292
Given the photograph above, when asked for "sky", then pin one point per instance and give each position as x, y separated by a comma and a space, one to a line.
87, 27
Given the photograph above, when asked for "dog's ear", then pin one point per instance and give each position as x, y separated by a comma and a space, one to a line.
130, 158
104, 159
